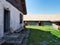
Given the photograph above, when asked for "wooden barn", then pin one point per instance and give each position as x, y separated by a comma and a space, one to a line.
43, 20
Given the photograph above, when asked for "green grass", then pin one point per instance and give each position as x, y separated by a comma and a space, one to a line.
40, 34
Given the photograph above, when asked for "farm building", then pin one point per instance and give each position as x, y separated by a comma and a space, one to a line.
43, 20
11, 16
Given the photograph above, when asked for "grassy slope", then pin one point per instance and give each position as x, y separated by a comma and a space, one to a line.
43, 33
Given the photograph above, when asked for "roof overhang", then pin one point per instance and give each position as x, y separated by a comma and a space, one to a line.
19, 4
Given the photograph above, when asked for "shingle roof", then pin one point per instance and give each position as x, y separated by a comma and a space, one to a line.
40, 17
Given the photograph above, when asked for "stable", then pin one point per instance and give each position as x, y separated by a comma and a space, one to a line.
43, 20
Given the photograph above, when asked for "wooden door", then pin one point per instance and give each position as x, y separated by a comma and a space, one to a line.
6, 20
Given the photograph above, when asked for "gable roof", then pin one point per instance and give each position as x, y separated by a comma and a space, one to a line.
42, 17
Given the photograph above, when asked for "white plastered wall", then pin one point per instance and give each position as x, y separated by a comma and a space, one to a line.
14, 16
1, 19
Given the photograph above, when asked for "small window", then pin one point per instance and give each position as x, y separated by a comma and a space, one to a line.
21, 18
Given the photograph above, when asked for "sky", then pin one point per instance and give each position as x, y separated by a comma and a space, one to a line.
43, 6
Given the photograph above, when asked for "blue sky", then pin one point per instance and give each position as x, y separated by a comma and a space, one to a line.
43, 6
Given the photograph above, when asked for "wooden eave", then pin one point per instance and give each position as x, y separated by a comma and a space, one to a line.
19, 4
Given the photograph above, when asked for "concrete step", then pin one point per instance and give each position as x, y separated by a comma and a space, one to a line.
16, 41
2, 41
14, 35
16, 38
